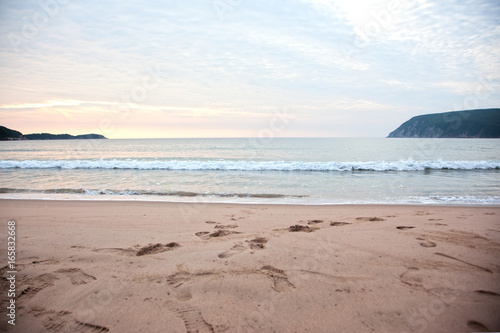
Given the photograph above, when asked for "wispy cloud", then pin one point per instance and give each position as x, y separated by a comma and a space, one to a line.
182, 63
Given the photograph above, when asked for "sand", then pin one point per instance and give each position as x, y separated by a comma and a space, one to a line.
95, 266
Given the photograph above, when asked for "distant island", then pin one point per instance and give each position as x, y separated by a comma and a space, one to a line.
480, 123
47, 136
9, 134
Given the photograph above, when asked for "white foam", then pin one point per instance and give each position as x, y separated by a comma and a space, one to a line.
241, 165
98, 196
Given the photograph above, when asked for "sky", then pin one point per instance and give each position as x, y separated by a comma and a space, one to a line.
243, 68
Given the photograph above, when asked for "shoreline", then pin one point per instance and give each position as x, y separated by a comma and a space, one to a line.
123, 266
493, 205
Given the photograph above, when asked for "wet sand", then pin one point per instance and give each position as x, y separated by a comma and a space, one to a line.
95, 266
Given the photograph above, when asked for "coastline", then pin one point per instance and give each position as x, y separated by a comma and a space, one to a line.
217, 201
237, 267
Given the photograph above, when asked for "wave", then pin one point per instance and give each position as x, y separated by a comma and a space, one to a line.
241, 165
148, 193
462, 199
107, 194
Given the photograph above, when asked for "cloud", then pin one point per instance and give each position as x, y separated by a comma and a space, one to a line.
325, 59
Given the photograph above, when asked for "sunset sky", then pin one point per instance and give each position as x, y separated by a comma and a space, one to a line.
243, 68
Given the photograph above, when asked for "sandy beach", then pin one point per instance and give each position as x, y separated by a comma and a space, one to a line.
96, 266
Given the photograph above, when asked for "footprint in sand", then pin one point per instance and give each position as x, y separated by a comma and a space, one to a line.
64, 321
425, 242
254, 244
412, 278
191, 316
36, 284
258, 243
428, 244
279, 277
371, 219
298, 227
337, 224
218, 233
156, 248
181, 277
181, 281
77, 276
222, 233
177, 279
141, 251
404, 227
314, 222
202, 234
183, 294
236, 249
226, 226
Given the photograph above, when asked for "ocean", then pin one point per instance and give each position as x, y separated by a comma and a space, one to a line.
253, 170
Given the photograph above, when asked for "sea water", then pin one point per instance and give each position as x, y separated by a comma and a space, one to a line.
256, 170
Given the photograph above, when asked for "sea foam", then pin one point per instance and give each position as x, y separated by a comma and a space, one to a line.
242, 165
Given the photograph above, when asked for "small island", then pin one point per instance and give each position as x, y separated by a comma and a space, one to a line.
479, 123
7, 134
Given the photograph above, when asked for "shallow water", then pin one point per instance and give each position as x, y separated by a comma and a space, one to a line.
284, 170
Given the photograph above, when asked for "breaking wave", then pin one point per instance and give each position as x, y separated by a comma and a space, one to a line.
148, 193
241, 165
